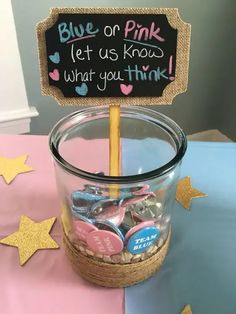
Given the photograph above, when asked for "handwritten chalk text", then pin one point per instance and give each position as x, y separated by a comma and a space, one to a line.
77, 76
130, 52
68, 30
80, 54
110, 31
135, 74
108, 76
138, 32
110, 54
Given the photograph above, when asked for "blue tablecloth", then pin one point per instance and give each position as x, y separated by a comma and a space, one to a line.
200, 268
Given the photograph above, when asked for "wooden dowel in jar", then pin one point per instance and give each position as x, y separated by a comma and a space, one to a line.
114, 146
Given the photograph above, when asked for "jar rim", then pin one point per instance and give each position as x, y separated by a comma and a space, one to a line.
177, 135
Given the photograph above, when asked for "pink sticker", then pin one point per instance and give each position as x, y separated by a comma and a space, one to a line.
105, 242
140, 226
136, 199
114, 214
142, 190
82, 229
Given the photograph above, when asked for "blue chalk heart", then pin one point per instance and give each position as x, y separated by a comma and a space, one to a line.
55, 58
82, 90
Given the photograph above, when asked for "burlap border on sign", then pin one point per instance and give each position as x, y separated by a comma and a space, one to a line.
178, 86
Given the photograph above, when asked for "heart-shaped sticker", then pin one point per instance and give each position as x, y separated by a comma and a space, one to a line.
126, 89
55, 76
55, 58
82, 90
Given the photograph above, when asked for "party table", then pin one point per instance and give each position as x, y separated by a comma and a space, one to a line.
200, 268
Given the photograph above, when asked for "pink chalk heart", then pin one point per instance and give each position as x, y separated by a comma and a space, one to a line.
54, 75
104, 242
126, 89
145, 67
139, 25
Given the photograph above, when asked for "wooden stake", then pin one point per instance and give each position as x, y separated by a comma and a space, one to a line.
114, 146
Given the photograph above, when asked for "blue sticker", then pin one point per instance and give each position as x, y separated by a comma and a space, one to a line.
77, 211
141, 240
78, 196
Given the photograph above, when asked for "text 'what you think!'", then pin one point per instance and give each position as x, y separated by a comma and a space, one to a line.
135, 44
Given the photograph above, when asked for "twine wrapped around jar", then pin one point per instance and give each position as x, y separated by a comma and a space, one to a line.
117, 275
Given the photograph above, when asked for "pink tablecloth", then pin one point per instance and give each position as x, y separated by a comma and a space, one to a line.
45, 284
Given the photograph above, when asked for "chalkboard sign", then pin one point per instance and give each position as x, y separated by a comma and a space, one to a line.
122, 56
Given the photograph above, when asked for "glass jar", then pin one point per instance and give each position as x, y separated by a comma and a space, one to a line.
123, 219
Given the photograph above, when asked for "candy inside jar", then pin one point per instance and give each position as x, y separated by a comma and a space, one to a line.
136, 223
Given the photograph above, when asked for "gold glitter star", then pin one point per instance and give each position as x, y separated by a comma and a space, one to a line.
30, 237
187, 309
185, 192
11, 167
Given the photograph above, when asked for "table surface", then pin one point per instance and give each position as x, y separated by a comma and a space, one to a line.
46, 284
200, 268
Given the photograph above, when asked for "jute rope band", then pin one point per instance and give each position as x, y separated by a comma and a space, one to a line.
114, 275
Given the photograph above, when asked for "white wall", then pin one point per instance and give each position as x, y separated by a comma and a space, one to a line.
15, 112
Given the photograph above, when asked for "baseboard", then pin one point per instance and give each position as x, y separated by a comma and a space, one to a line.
213, 135
17, 122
